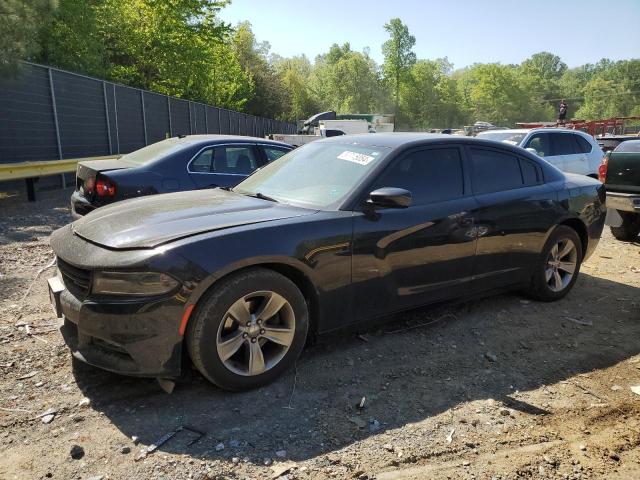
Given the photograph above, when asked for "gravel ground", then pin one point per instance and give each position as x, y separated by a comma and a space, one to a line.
497, 388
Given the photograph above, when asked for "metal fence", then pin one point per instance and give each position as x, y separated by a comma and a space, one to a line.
48, 114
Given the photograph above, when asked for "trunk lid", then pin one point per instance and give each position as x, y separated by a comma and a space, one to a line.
148, 222
623, 172
87, 171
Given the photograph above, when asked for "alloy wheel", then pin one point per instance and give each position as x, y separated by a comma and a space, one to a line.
256, 333
561, 265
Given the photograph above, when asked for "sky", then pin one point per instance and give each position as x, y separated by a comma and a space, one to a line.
465, 31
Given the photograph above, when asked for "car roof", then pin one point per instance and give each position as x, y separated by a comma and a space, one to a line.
506, 130
388, 140
208, 139
401, 140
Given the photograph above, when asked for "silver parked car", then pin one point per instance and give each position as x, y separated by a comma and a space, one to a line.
572, 151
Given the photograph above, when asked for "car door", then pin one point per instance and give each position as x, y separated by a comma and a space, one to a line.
424, 253
565, 146
588, 159
223, 165
515, 210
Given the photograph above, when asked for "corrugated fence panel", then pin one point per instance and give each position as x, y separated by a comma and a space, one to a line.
96, 117
234, 126
200, 117
81, 115
130, 121
213, 119
109, 91
225, 120
180, 121
156, 116
27, 128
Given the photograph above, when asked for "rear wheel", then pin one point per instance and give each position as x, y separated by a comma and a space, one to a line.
248, 330
558, 265
630, 227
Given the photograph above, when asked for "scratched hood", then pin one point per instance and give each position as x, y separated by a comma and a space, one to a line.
147, 222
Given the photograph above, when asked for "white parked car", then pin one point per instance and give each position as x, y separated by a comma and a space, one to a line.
572, 151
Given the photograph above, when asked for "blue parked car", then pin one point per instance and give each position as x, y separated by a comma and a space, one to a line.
175, 164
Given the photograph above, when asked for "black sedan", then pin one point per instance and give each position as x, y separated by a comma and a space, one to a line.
339, 231
172, 165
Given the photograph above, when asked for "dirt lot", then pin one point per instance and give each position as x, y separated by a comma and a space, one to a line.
497, 388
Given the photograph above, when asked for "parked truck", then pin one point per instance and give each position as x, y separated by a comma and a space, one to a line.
620, 172
330, 124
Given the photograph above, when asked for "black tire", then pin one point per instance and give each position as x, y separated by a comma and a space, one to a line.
540, 288
211, 311
630, 227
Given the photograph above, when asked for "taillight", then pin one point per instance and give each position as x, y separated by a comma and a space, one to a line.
602, 169
105, 187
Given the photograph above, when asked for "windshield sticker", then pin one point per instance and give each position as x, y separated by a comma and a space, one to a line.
359, 158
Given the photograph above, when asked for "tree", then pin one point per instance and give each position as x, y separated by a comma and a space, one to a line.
398, 56
345, 81
19, 23
491, 92
295, 73
269, 95
71, 39
613, 90
176, 47
429, 98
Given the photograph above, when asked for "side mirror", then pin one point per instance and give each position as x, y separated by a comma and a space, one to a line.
390, 197
532, 150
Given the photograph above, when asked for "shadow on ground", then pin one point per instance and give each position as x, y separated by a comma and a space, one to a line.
407, 372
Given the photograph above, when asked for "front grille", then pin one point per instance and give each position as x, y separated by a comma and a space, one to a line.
77, 280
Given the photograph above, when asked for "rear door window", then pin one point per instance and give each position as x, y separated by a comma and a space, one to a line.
432, 175
583, 145
531, 174
227, 159
563, 144
494, 171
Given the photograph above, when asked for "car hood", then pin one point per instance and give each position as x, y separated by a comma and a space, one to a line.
148, 222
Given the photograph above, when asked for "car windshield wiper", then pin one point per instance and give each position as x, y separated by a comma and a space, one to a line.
262, 196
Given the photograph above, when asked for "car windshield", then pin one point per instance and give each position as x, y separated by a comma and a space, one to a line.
628, 146
317, 175
507, 137
154, 151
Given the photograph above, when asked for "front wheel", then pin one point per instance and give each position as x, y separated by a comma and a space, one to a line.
630, 227
558, 265
248, 329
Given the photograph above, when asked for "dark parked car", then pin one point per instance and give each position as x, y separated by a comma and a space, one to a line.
620, 172
172, 165
339, 231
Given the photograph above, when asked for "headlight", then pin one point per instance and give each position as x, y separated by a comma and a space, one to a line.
132, 283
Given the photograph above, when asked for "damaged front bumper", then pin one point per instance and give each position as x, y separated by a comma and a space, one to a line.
132, 337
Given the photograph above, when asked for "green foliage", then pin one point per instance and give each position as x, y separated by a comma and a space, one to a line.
345, 81
398, 55
182, 48
19, 23
295, 73
269, 95
613, 90
429, 96
176, 47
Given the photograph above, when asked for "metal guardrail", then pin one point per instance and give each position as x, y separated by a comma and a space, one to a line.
30, 170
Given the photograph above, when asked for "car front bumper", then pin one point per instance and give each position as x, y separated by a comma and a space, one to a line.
133, 337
